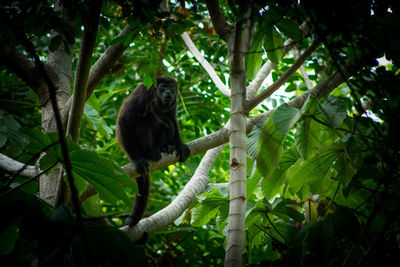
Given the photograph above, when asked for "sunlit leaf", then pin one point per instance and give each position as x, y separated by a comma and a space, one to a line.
273, 44
207, 208
312, 172
254, 58
270, 148
285, 117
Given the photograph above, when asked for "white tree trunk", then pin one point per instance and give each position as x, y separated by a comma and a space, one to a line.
238, 152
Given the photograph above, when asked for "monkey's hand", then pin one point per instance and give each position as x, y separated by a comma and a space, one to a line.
183, 152
142, 166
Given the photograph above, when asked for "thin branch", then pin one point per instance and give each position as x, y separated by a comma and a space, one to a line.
223, 29
83, 68
207, 67
276, 85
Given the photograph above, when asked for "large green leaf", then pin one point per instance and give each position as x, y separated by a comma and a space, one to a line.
273, 44
207, 208
334, 110
312, 172
271, 186
253, 136
270, 148
345, 168
286, 208
307, 138
106, 177
254, 58
285, 117
290, 29
252, 183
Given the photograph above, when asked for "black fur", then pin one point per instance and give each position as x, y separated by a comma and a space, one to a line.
146, 127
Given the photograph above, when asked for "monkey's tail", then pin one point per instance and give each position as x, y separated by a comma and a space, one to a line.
141, 199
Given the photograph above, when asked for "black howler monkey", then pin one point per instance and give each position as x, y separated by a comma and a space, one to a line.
146, 127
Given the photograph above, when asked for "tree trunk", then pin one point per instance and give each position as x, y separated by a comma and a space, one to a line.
238, 152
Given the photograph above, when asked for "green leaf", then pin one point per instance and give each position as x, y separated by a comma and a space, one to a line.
104, 129
252, 183
103, 175
345, 169
313, 172
273, 44
310, 106
285, 117
222, 215
270, 148
334, 110
253, 136
93, 102
92, 117
254, 58
207, 208
147, 81
291, 88
286, 208
290, 29
92, 206
10, 131
8, 239
271, 186
306, 137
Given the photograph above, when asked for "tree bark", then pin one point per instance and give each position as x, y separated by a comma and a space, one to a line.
238, 152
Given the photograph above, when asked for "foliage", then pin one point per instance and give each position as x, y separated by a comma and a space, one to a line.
323, 180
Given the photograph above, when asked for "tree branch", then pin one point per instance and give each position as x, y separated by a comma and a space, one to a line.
208, 68
222, 28
105, 62
169, 214
12, 166
275, 86
22, 67
83, 68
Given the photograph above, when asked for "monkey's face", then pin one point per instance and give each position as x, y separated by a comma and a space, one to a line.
166, 95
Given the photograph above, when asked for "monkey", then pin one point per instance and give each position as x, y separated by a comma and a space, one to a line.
146, 127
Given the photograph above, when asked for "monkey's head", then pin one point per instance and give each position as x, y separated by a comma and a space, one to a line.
166, 93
